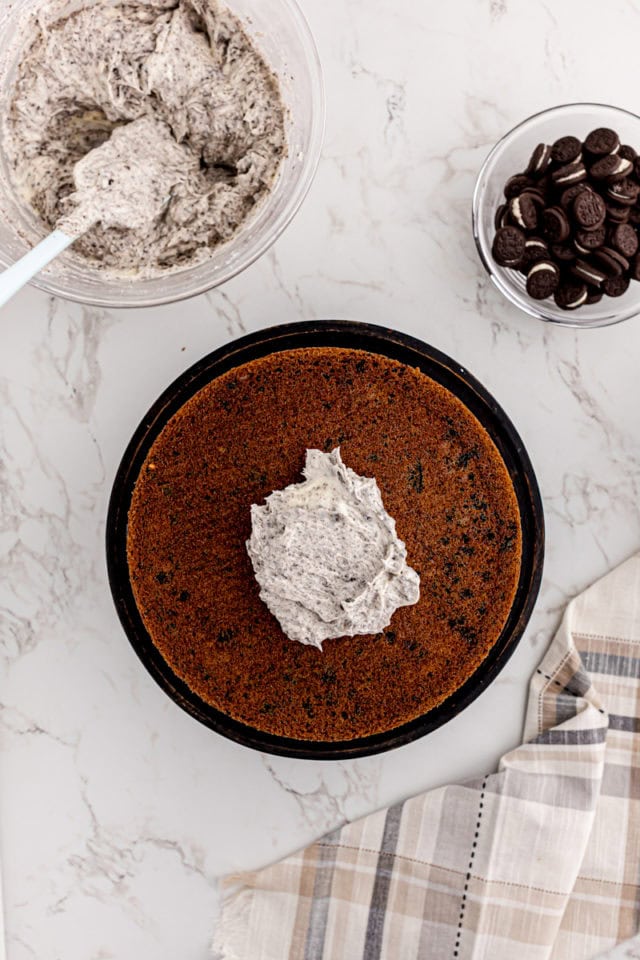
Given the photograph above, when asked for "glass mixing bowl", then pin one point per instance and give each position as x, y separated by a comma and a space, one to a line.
511, 155
283, 36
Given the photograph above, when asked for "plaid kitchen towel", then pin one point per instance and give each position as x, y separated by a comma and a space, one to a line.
539, 861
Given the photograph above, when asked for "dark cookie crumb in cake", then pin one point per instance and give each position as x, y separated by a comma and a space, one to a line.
245, 435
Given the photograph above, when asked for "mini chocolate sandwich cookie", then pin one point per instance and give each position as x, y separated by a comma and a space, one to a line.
612, 262
535, 249
570, 295
616, 286
501, 218
586, 241
563, 252
589, 210
624, 192
616, 214
542, 279
587, 272
601, 142
523, 211
508, 246
556, 224
570, 174
537, 196
624, 239
566, 150
516, 185
611, 168
569, 195
540, 160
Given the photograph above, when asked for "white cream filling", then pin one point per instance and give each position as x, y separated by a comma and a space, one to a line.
589, 275
569, 177
541, 265
516, 212
578, 302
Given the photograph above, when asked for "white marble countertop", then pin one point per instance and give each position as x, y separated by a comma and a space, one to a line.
117, 810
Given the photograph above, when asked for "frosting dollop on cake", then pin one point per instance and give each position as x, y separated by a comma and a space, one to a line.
326, 554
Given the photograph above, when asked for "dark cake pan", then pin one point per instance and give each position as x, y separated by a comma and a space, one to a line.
398, 346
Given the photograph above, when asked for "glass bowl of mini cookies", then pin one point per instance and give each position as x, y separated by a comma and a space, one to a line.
556, 215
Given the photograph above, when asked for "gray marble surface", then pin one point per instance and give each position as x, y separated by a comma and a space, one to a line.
117, 811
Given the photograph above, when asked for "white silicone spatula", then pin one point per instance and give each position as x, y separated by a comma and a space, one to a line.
124, 183
19, 274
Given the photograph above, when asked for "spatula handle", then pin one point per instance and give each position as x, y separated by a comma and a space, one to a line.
17, 275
